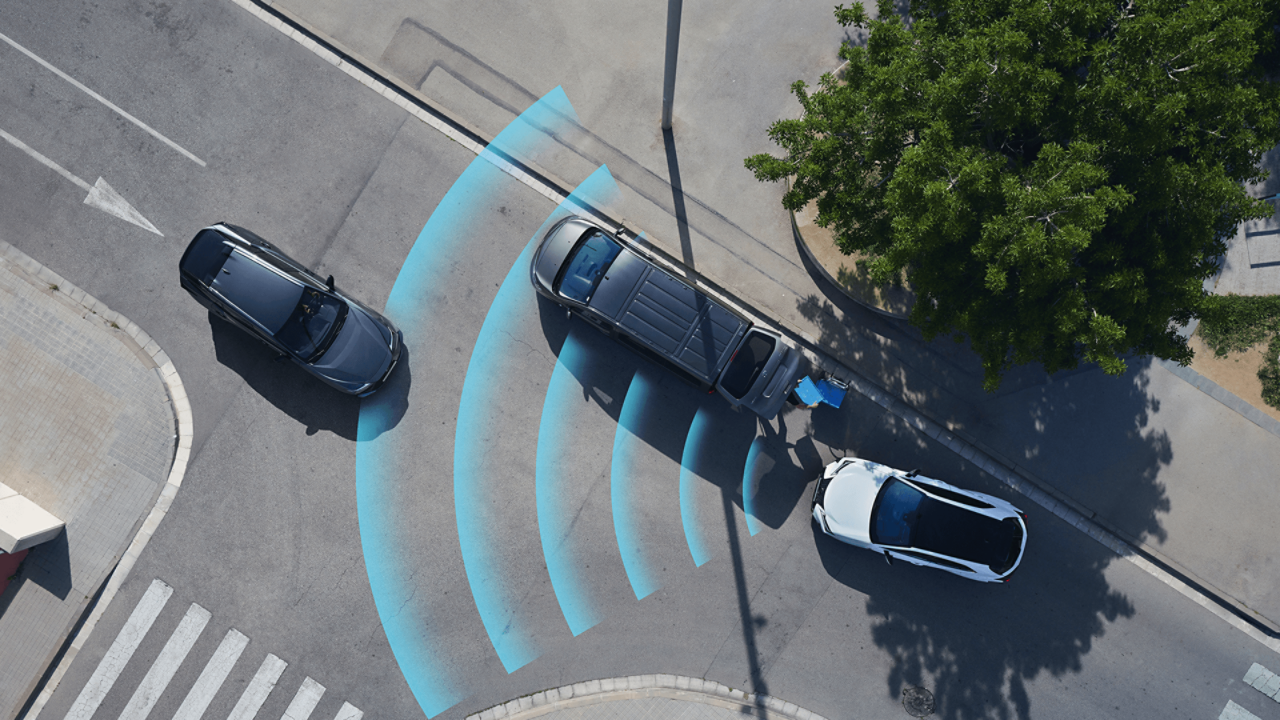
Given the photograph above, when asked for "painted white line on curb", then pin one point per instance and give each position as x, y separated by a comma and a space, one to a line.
211, 678
304, 701
263, 682
102, 100
166, 664
126, 642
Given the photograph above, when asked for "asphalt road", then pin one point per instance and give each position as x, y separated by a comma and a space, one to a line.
268, 535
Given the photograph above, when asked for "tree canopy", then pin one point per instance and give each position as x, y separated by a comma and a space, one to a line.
1056, 178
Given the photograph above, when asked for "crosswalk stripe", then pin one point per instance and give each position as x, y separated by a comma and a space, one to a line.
304, 701
212, 677
259, 687
122, 648
166, 664
349, 712
1234, 712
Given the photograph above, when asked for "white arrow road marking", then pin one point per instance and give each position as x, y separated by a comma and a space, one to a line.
102, 100
100, 195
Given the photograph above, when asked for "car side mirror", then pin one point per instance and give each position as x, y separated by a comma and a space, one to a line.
281, 358
329, 283
887, 557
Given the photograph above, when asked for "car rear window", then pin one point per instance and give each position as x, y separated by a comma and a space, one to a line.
205, 256
747, 364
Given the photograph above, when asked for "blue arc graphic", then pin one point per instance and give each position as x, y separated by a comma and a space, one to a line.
482, 390
555, 515
556, 446
412, 629
750, 485
624, 494
690, 462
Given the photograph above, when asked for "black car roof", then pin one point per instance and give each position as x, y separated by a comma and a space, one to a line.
205, 255
961, 533
259, 292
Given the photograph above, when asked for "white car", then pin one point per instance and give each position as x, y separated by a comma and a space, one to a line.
920, 520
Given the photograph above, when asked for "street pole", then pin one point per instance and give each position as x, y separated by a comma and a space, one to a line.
673, 44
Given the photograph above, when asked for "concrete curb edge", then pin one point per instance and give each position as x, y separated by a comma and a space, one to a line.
144, 347
675, 687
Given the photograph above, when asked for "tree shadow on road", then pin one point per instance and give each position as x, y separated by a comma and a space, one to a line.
1089, 435
974, 645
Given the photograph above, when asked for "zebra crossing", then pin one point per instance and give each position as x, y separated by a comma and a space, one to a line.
201, 693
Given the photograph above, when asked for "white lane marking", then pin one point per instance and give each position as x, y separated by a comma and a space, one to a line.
212, 677
304, 701
108, 670
1234, 712
100, 194
349, 712
44, 160
259, 687
102, 100
1264, 681
166, 664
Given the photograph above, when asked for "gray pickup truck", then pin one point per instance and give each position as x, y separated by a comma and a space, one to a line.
610, 283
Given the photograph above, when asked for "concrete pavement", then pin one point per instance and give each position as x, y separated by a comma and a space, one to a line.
91, 425
639, 697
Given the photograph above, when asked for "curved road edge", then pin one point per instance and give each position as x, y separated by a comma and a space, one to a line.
146, 347
635, 687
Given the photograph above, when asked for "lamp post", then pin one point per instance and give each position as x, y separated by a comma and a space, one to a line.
673, 44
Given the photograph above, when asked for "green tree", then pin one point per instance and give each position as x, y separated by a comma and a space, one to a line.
1056, 178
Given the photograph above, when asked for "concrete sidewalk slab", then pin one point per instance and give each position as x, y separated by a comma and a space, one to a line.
90, 434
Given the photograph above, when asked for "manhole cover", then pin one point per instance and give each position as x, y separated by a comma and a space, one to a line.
917, 701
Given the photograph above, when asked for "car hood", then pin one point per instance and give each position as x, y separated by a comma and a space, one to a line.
360, 354
850, 496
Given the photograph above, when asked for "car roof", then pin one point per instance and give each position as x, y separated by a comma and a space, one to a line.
205, 255
260, 292
963, 533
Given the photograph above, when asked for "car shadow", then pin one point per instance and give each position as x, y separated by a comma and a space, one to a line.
311, 403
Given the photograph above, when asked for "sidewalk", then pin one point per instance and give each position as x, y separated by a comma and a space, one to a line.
1169, 466
641, 697
90, 435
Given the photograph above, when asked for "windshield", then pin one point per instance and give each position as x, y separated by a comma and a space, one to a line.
895, 514
747, 364
314, 323
585, 267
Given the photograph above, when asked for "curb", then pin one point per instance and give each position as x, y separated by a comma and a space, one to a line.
148, 350
633, 687
826, 274
1010, 473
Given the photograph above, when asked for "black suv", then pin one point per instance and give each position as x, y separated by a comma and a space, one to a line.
253, 285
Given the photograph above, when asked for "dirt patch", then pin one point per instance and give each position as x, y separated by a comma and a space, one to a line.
1237, 372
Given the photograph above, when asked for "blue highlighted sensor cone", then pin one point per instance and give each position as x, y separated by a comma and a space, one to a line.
560, 547
413, 631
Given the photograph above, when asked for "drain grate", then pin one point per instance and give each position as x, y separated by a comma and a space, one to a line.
917, 701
